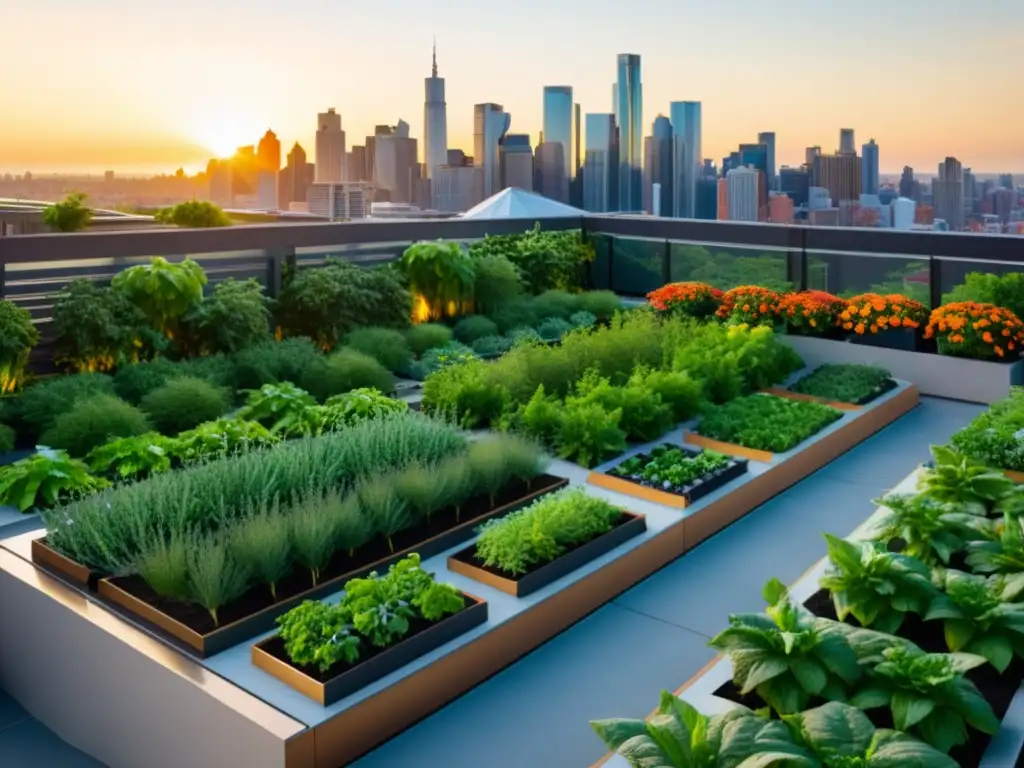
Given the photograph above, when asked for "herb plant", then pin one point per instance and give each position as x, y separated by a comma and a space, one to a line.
588, 434
875, 586
184, 403
1001, 553
977, 619
670, 469
543, 531
787, 656
39, 405
130, 458
679, 736
343, 371
235, 317
223, 437
927, 529
261, 543
18, 335
927, 694
319, 635
45, 479
766, 423
441, 274
996, 436
93, 421
857, 384
387, 345
277, 406
162, 290
960, 480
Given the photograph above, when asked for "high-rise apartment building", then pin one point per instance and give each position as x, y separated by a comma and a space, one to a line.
948, 193
743, 190
909, 187
559, 109
601, 164
628, 93
577, 148
330, 147
516, 157
707, 198
768, 139
846, 142
395, 165
550, 171
869, 168
435, 121
295, 179
268, 152
687, 155
340, 199
809, 154
457, 188
723, 198
839, 174
970, 191
658, 167
756, 156
356, 164
490, 124
795, 182
1006, 180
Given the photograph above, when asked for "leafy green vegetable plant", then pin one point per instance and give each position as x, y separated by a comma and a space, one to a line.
670, 469
18, 335
442, 273
541, 532
928, 530
977, 619
958, 479
360, 404
319, 635
45, 479
235, 317
130, 458
996, 436
836, 735
679, 736
787, 656
927, 694
766, 423
162, 290
857, 384
1001, 553
588, 434
219, 438
875, 586
277, 406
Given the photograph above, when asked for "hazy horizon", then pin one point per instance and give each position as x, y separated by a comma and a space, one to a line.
924, 82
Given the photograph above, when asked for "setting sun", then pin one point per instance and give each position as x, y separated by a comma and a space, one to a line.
225, 131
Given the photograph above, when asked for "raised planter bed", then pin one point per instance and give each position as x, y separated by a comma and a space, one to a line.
779, 392
467, 564
958, 378
731, 449
53, 561
345, 679
677, 498
191, 627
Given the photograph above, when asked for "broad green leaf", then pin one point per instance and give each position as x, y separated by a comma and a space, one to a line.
1013, 586
774, 592
761, 671
615, 732
671, 736
973, 707
943, 608
897, 750
835, 651
783, 695
810, 674
965, 662
943, 729
870, 698
908, 710
836, 729
844, 554
778, 760
996, 648
958, 634
644, 752
692, 719
841, 602
746, 736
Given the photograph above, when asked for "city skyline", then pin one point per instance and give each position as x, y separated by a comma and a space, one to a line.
918, 104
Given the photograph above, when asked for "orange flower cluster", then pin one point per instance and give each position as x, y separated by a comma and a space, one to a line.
750, 305
979, 331
872, 313
690, 299
811, 312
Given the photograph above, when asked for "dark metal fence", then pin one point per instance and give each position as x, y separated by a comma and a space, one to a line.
634, 255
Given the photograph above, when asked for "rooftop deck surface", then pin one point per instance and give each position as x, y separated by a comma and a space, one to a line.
616, 661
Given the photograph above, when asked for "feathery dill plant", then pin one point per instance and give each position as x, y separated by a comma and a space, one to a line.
384, 508
313, 530
215, 575
261, 542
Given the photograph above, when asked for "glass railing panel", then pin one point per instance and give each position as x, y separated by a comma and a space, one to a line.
637, 266
986, 281
849, 274
729, 266
599, 275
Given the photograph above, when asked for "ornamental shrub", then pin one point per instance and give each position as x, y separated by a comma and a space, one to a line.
346, 370
184, 403
558, 304
514, 313
18, 335
39, 405
387, 345
235, 317
474, 327
93, 421
985, 288
427, 336
491, 346
496, 282
275, 362
978, 331
134, 382
553, 329
601, 304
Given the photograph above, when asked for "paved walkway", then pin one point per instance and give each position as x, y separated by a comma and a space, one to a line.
614, 663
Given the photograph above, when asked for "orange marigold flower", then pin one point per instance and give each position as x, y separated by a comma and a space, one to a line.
973, 329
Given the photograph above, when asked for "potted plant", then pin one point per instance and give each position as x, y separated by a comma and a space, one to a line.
812, 313
893, 321
977, 331
697, 300
750, 305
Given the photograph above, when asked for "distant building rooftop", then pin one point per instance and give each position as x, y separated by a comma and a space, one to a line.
514, 203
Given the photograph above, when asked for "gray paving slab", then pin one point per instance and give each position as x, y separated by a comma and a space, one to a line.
30, 744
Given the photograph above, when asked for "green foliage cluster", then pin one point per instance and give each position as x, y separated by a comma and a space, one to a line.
221, 438
93, 421
132, 458
184, 403
163, 290
44, 480
996, 436
540, 533
69, 215
236, 316
18, 336
275, 362
765, 422
545, 260
325, 303
345, 370
134, 382
670, 469
986, 288
440, 273
35, 410
474, 327
386, 345
194, 214
856, 384
427, 336
377, 610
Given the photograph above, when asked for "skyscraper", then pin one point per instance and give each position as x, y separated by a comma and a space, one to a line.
869, 168
948, 193
687, 156
658, 167
839, 174
295, 179
577, 149
909, 187
550, 166
742, 186
795, 182
628, 93
268, 152
330, 147
601, 164
558, 125
490, 124
768, 139
435, 120
846, 143
395, 164
756, 156
517, 162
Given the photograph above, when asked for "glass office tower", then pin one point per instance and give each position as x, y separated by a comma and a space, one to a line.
601, 165
558, 111
628, 97
686, 156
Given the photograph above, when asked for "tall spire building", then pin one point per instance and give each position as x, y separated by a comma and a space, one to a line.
435, 121
628, 108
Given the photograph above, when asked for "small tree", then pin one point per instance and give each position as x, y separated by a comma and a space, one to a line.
70, 215
195, 214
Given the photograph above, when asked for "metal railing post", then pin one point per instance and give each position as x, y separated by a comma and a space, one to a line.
935, 282
666, 263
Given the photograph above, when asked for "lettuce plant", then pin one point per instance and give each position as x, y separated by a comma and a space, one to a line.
931, 530
1001, 554
679, 736
977, 620
875, 586
837, 735
44, 479
960, 480
133, 457
787, 656
281, 407
927, 694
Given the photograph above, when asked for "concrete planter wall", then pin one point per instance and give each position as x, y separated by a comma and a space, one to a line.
973, 381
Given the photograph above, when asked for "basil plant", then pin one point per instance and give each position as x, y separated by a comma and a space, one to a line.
1002, 554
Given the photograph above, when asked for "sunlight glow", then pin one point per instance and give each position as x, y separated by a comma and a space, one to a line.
224, 132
